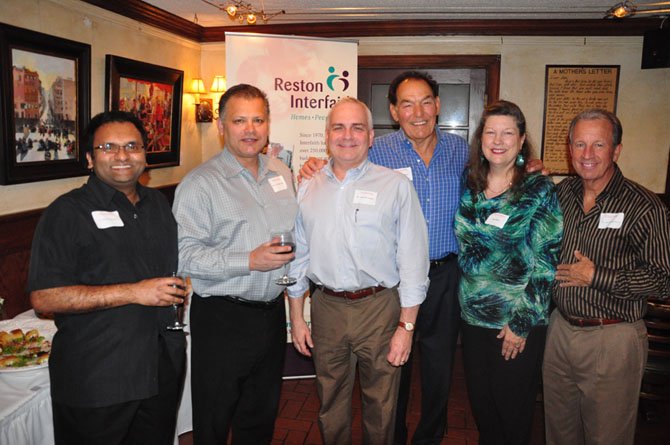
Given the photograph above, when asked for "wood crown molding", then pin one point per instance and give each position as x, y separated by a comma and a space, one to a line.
151, 15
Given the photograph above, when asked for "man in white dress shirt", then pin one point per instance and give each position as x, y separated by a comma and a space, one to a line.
362, 240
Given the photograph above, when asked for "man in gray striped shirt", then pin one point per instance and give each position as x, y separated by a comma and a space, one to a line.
226, 210
615, 254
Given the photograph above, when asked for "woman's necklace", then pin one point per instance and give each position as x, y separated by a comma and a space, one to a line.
490, 192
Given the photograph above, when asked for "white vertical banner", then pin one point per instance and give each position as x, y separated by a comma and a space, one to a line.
303, 77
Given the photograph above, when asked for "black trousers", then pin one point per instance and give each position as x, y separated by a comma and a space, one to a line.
502, 392
150, 421
237, 358
436, 336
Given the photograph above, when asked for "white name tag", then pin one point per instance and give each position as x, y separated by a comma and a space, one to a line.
610, 221
277, 183
105, 220
497, 219
365, 197
407, 171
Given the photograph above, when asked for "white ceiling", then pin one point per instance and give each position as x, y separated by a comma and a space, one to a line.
311, 11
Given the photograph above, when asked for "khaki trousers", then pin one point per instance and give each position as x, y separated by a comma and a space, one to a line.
591, 380
347, 333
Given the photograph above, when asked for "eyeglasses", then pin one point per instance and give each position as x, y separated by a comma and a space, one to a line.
111, 147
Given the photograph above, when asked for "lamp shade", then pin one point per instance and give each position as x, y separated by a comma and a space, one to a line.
197, 86
218, 85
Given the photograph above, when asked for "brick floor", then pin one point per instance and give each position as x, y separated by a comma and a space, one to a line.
297, 420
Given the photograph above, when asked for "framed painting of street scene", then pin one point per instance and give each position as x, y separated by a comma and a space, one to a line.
45, 105
153, 93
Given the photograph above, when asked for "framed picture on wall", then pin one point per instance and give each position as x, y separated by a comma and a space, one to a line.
569, 90
153, 93
44, 105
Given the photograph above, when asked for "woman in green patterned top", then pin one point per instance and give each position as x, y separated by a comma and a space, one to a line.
509, 227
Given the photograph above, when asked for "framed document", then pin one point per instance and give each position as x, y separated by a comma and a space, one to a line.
569, 90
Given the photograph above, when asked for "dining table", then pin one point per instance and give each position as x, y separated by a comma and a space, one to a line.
25, 394
25, 400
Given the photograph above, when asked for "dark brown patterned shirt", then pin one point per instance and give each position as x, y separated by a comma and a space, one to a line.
627, 236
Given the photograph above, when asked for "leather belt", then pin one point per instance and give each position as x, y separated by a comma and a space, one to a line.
434, 264
589, 322
352, 295
252, 303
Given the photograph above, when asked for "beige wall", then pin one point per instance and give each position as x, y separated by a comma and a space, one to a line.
643, 104
107, 33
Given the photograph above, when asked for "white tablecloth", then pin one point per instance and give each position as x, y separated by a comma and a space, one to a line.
185, 414
25, 401
25, 397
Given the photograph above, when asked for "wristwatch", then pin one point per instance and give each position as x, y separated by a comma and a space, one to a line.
406, 325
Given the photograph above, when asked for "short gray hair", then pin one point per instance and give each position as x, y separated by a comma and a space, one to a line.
351, 100
595, 114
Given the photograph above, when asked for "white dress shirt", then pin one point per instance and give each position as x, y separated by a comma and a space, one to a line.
365, 231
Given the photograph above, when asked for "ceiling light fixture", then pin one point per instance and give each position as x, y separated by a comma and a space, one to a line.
629, 8
243, 11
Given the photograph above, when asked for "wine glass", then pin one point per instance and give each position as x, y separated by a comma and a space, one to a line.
178, 308
284, 238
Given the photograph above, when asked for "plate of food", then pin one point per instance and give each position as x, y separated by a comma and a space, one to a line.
25, 344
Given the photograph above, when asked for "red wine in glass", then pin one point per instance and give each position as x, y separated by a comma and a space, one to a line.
284, 238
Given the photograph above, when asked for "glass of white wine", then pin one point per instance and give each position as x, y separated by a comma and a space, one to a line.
178, 308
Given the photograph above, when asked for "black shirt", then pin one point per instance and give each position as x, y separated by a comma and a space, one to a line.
107, 356
631, 254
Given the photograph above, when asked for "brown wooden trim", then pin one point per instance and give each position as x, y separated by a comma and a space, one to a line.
554, 27
491, 63
151, 15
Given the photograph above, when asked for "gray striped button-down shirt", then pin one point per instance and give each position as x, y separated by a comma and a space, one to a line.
224, 213
627, 236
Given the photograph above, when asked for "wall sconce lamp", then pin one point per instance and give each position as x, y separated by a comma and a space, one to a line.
218, 85
197, 87
203, 108
629, 8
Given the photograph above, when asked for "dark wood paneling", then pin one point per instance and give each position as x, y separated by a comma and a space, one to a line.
16, 236
491, 63
151, 15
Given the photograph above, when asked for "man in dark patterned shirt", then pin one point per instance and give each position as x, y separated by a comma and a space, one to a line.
615, 254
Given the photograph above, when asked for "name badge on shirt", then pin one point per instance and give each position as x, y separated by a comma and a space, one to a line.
277, 183
497, 219
407, 171
610, 221
365, 197
105, 220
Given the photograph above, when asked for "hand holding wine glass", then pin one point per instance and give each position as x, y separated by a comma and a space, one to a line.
284, 238
178, 309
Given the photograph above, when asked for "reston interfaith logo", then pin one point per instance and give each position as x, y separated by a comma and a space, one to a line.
334, 76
